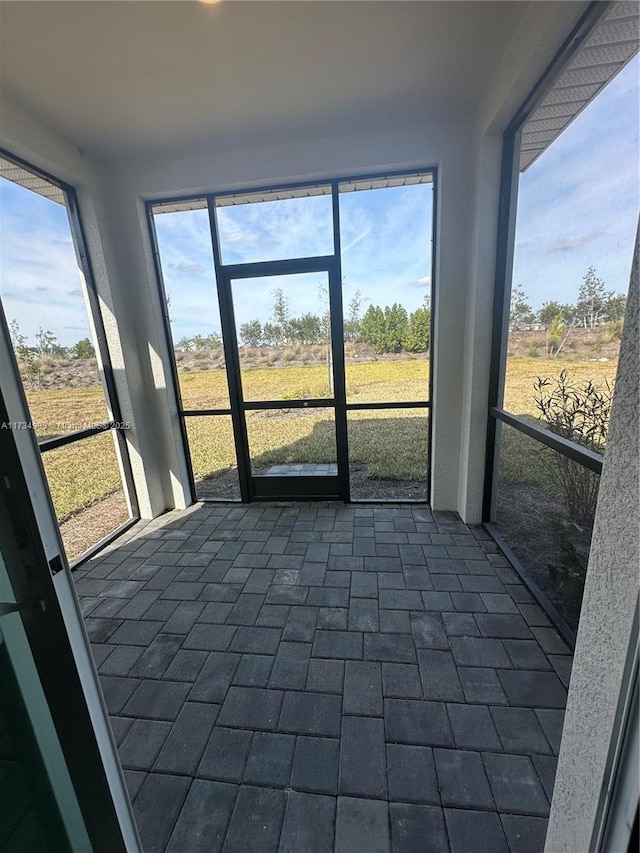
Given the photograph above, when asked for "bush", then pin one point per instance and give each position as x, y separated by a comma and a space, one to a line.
579, 413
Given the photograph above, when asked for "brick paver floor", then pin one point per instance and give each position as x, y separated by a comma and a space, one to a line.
311, 678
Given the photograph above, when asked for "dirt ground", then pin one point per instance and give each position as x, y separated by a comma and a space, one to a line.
225, 486
524, 517
87, 527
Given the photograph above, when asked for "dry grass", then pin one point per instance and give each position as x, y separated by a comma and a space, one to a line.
522, 373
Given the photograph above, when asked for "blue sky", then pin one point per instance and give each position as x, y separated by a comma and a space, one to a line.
578, 206
39, 280
386, 253
578, 203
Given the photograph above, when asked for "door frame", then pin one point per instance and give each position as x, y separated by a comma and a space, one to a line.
273, 487
42, 586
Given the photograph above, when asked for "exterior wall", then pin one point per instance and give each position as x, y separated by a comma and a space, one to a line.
610, 600
477, 354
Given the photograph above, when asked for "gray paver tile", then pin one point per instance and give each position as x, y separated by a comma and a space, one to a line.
156, 808
364, 585
520, 731
183, 748
215, 677
333, 618
412, 774
479, 652
400, 599
550, 641
256, 821
562, 665
420, 723
291, 665
480, 832
257, 640
363, 615
117, 691
311, 713
134, 780
362, 825
468, 602
392, 648
142, 743
273, 615
448, 583
482, 583
120, 727
338, 645
301, 624
315, 765
329, 596
428, 631
503, 625
210, 638
121, 660
526, 654
156, 659
473, 727
157, 700
225, 755
204, 818
184, 617
269, 761
411, 825
251, 708
308, 825
499, 602
245, 610
186, 665
524, 834
325, 676
533, 689
481, 685
135, 633
515, 785
362, 688
460, 625
401, 681
362, 758
439, 676
462, 779
438, 601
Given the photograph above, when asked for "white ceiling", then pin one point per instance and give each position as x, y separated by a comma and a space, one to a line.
127, 78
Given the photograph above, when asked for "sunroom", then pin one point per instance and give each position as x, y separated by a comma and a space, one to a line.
320, 481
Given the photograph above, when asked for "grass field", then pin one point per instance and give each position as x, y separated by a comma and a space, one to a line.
391, 443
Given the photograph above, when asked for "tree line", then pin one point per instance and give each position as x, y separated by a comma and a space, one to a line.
595, 306
386, 329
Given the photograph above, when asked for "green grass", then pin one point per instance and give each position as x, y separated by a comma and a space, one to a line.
392, 443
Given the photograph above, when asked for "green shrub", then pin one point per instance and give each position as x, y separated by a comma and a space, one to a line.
579, 413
